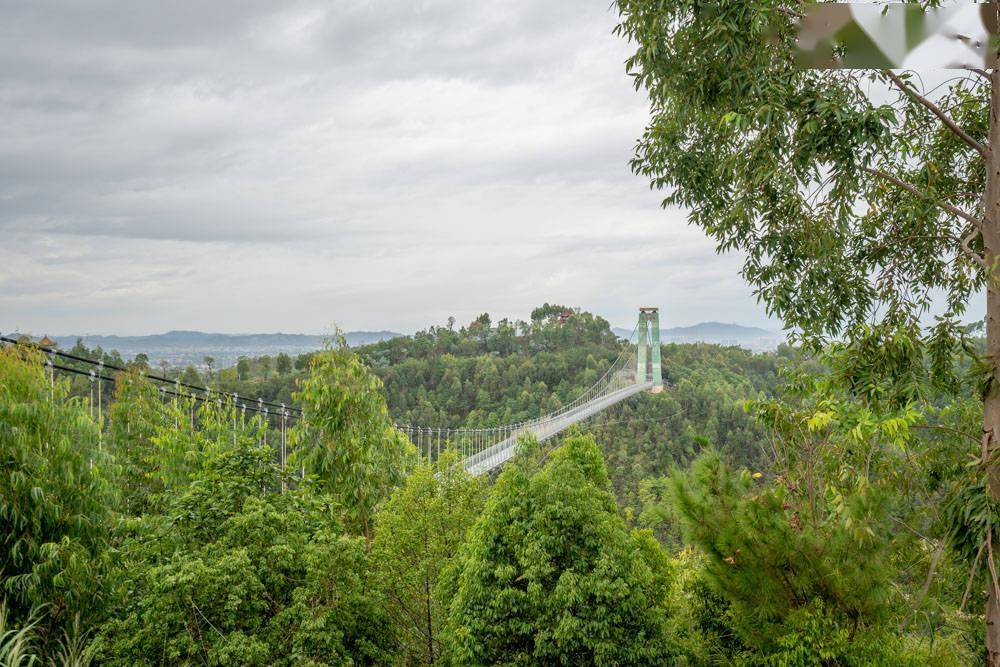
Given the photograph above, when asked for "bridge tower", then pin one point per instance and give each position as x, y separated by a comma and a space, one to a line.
648, 367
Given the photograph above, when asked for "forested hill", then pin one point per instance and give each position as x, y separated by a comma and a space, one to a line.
488, 373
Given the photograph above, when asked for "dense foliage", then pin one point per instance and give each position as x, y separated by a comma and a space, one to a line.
54, 496
766, 509
418, 530
234, 572
484, 374
552, 576
862, 200
477, 377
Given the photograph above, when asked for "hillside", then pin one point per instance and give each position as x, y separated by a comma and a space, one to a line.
516, 371
488, 373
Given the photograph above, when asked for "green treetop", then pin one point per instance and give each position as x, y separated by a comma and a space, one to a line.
346, 437
55, 496
418, 532
551, 576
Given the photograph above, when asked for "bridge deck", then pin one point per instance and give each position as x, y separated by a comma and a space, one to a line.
504, 450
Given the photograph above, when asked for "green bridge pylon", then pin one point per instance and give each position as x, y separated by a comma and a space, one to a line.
648, 365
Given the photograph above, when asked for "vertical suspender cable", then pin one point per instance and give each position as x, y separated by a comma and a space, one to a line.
178, 405
52, 378
91, 394
284, 447
100, 409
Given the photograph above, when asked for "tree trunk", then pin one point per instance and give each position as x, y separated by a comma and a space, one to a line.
430, 625
991, 401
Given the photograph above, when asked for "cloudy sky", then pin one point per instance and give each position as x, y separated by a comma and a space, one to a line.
244, 166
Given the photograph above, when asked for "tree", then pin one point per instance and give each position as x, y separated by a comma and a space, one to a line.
283, 363
265, 365
302, 362
242, 368
190, 376
550, 575
417, 534
234, 573
346, 437
547, 311
55, 497
774, 558
134, 420
209, 362
848, 210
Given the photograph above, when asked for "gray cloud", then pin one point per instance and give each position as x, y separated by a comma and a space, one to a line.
256, 166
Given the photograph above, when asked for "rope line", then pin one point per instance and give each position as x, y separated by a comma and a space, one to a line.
115, 367
94, 376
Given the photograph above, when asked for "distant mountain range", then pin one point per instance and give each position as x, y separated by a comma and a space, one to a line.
181, 348
720, 333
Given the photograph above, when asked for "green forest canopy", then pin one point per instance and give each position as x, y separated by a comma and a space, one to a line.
762, 510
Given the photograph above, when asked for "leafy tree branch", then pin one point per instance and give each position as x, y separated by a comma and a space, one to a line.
936, 110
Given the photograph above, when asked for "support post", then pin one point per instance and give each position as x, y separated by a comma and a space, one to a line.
655, 345
640, 369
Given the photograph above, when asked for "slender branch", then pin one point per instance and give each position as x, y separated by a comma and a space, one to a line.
972, 576
927, 584
937, 427
790, 12
936, 110
912, 530
914, 190
981, 72
972, 254
992, 567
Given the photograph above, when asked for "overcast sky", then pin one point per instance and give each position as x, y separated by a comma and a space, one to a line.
236, 166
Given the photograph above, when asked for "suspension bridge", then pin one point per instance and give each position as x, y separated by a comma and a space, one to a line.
636, 369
